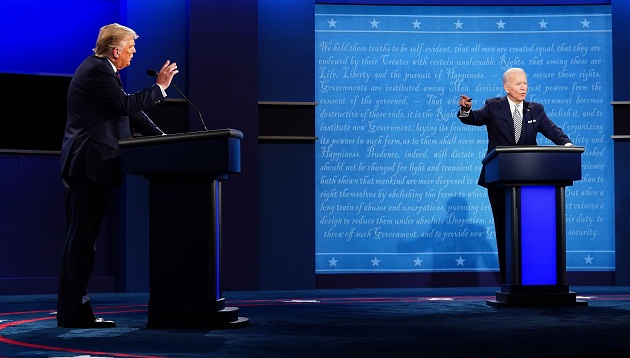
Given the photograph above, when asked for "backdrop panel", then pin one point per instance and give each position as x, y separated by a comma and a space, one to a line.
396, 171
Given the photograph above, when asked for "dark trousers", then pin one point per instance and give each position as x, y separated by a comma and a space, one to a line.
85, 205
497, 202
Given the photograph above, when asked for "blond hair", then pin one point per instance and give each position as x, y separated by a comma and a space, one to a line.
112, 36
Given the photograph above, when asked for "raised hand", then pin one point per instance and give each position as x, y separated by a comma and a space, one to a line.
166, 74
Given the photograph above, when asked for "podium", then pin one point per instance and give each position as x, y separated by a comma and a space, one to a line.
534, 179
185, 172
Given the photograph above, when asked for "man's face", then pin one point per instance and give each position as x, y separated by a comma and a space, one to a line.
516, 87
123, 55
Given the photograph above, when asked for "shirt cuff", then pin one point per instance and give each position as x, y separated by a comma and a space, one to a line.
162, 89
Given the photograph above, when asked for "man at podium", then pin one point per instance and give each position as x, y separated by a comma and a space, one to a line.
100, 113
509, 121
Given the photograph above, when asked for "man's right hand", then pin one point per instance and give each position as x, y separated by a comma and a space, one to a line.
165, 76
465, 103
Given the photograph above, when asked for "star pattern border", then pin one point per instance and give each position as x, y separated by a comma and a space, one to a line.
494, 23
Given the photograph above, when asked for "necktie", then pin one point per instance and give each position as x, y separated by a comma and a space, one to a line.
518, 123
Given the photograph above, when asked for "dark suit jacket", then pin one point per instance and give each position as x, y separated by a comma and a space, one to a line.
99, 114
497, 117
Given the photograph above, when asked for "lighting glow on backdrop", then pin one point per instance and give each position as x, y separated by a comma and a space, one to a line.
396, 175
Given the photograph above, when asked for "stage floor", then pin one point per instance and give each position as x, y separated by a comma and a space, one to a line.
444, 322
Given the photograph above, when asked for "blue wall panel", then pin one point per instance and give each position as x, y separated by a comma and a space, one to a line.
287, 44
162, 27
223, 62
621, 44
52, 36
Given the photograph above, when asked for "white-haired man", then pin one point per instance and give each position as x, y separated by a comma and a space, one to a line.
509, 121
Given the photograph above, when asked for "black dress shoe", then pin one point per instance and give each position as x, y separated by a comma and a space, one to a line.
96, 323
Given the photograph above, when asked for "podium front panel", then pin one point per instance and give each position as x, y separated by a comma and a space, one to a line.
538, 235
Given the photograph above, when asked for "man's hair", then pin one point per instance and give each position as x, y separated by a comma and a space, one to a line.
112, 36
510, 71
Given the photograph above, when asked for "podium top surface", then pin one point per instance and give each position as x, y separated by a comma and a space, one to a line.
531, 149
209, 152
181, 137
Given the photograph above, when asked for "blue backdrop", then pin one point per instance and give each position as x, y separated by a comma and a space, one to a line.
396, 170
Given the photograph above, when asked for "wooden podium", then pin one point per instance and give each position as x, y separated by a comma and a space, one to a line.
534, 179
185, 173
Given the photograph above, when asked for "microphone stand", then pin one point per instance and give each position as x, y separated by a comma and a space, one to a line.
154, 73
193, 106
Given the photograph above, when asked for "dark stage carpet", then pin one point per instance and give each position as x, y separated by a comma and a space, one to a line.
454, 322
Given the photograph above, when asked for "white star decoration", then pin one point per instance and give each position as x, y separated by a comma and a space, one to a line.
417, 262
543, 24
333, 262
460, 261
588, 260
375, 262
332, 23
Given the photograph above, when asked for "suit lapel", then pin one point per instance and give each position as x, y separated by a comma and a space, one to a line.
113, 72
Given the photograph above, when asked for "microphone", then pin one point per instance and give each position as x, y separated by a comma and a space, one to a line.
154, 73
531, 116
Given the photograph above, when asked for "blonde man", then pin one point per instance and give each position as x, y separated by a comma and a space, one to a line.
99, 114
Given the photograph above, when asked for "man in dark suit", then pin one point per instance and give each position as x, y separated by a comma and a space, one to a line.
99, 114
509, 120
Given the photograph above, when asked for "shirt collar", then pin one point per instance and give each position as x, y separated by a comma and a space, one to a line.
512, 104
112, 64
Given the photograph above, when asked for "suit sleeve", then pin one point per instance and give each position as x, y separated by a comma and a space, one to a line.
106, 90
144, 125
475, 117
550, 130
